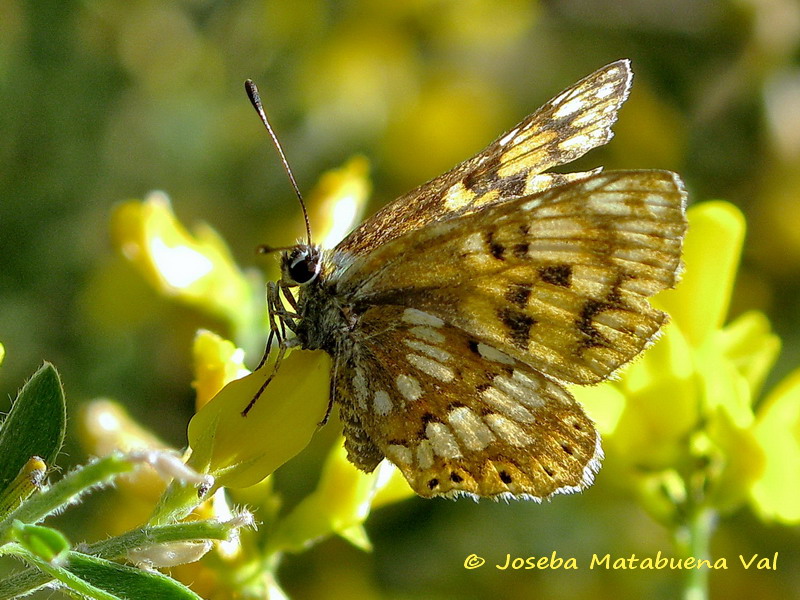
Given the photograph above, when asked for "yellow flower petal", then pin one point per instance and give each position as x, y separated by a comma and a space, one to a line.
241, 451
217, 362
396, 488
739, 462
723, 385
336, 204
662, 403
749, 343
197, 270
604, 404
713, 244
660, 493
104, 427
775, 494
340, 504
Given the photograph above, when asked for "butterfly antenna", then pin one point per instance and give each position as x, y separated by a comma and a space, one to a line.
255, 99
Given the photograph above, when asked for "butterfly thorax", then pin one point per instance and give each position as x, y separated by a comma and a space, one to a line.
322, 318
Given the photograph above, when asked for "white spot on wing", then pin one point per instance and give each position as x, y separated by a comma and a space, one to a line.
493, 354
507, 137
409, 387
382, 403
570, 107
532, 204
425, 455
435, 369
575, 142
443, 442
473, 244
360, 388
400, 455
472, 432
508, 406
418, 317
427, 333
432, 351
605, 91
509, 431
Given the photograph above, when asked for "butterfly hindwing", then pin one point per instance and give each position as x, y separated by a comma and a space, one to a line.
459, 416
565, 128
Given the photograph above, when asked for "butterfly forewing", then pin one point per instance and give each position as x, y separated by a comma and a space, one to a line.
568, 126
456, 415
558, 280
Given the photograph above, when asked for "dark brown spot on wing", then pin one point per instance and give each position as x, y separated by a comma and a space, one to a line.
513, 186
480, 180
585, 322
521, 250
495, 248
560, 275
518, 293
613, 301
519, 325
430, 418
505, 477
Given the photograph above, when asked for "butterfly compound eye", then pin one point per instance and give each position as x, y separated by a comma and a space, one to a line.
303, 267
303, 271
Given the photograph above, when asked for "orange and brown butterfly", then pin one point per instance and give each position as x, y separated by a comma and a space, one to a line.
456, 314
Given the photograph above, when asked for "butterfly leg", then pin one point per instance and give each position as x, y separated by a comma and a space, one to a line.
279, 321
273, 325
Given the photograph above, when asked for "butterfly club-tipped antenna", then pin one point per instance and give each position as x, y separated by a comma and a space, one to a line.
255, 100
274, 305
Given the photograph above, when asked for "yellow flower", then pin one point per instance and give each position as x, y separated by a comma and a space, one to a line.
687, 428
340, 504
240, 451
197, 270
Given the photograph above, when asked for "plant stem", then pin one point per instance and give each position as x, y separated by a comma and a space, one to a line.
31, 579
67, 490
693, 540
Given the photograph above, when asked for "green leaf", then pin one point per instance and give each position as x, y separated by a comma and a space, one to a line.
35, 426
46, 543
124, 581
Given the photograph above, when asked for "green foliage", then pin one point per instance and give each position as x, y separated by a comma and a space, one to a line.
36, 424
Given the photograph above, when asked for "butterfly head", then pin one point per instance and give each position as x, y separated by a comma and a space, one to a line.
301, 264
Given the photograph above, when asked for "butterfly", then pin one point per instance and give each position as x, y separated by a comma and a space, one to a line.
456, 315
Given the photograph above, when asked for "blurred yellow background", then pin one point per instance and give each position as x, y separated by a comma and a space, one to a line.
102, 101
